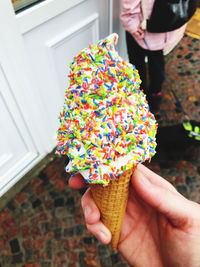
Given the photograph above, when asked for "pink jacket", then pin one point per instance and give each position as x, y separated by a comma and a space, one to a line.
131, 18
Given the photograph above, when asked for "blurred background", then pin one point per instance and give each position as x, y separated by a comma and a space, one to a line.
41, 221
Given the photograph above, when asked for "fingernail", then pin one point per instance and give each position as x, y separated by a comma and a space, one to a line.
87, 211
103, 236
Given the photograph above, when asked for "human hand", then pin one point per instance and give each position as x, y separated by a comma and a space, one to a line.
139, 34
160, 227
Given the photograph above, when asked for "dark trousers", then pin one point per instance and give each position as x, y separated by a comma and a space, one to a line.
137, 55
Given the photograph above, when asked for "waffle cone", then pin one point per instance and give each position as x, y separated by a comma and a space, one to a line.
111, 201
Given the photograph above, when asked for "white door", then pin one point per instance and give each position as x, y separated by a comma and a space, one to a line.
36, 48
17, 145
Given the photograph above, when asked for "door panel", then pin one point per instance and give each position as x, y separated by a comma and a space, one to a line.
73, 40
16, 146
51, 47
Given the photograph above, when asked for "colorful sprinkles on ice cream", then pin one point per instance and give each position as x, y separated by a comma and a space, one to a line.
105, 126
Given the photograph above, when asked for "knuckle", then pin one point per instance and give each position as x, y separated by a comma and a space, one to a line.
90, 228
83, 201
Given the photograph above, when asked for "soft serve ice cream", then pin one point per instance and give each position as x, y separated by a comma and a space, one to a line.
105, 126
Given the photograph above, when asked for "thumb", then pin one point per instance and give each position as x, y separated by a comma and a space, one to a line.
157, 192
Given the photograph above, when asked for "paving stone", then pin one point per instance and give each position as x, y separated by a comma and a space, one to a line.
59, 202
17, 258
14, 245
122, 264
106, 262
60, 185
189, 180
38, 243
35, 232
70, 201
46, 264
82, 190
28, 255
54, 194
25, 205
79, 230
69, 232
88, 240
183, 189
45, 179
49, 249
103, 250
58, 233
114, 258
45, 227
82, 262
198, 169
26, 231
36, 203
11, 206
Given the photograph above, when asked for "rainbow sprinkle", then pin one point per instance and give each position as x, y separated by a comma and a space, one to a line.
106, 117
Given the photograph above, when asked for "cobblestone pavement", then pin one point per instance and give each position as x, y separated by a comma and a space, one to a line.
43, 225
183, 76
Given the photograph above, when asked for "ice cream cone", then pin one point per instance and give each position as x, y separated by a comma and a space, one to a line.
105, 125
111, 201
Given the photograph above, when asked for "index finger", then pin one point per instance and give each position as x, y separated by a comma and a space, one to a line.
77, 182
156, 179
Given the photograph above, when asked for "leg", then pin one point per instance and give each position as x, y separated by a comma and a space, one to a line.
156, 70
156, 76
136, 56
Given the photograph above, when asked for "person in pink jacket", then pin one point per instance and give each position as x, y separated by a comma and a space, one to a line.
141, 44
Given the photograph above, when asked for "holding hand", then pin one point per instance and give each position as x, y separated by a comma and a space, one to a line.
139, 34
160, 227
